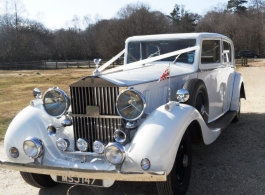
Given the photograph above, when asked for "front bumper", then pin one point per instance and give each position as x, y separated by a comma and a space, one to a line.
95, 174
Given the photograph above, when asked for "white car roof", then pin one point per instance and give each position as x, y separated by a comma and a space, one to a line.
175, 36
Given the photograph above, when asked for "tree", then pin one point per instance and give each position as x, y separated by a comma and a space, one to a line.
131, 20
183, 20
237, 6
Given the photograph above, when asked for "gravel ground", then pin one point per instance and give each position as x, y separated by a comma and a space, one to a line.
233, 164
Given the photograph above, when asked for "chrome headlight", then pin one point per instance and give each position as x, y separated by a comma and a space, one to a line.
115, 153
131, 104
56, 102
33, 147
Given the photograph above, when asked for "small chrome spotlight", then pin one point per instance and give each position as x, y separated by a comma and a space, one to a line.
51, 130
145, 164
131, 125
82, 144
37, 93
119, 136
98, 147
14, 152
62, 144
182, 95
66, 122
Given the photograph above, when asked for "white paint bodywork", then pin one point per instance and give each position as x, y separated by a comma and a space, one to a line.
159, 135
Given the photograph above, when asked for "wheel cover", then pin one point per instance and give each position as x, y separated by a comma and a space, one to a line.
182, 162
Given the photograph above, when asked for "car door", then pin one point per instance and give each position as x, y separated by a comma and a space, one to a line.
213, 72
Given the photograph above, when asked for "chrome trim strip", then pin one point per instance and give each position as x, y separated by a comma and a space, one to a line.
82, 153
95, 174
99, 116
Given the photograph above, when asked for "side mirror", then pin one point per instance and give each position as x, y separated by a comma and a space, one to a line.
182, 95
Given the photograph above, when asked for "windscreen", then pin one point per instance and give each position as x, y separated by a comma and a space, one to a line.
148, 49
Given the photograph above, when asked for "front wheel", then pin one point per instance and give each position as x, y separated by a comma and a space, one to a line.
179, 178
38, 180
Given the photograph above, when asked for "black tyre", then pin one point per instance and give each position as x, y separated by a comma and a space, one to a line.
237, 117
38, 180
198, 97
179, 178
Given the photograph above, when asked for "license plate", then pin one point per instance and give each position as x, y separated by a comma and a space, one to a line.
80, 181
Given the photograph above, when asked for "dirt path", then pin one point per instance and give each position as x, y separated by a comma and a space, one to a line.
233, 164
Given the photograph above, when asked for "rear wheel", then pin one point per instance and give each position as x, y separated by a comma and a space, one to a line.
179, 178
38, 180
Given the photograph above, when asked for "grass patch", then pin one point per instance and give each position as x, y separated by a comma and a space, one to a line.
16, 88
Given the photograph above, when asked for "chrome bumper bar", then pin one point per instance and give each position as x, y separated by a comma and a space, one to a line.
84, 173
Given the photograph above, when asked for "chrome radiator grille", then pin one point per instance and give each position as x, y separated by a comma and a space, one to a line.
94, 128
104, 97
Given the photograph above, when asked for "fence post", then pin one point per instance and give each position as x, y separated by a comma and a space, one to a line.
244, 61
56, 64
67, 63
89, 63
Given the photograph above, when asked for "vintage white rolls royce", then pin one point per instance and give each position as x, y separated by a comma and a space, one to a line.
134, 122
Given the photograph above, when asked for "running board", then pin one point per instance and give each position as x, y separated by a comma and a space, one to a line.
223, 121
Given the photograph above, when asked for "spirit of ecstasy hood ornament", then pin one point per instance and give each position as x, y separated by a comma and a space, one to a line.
96, 72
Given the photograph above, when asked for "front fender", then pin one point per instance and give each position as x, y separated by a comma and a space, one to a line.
33, 121
159, 136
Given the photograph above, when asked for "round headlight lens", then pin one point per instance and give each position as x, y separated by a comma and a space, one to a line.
131, 104
62, 144
98, 147
115, 153
33, 147
82, 144
56, 102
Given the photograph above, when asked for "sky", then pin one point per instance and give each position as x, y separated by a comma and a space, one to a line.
56, 14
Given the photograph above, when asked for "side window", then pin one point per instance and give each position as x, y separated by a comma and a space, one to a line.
210, 52
227, 51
